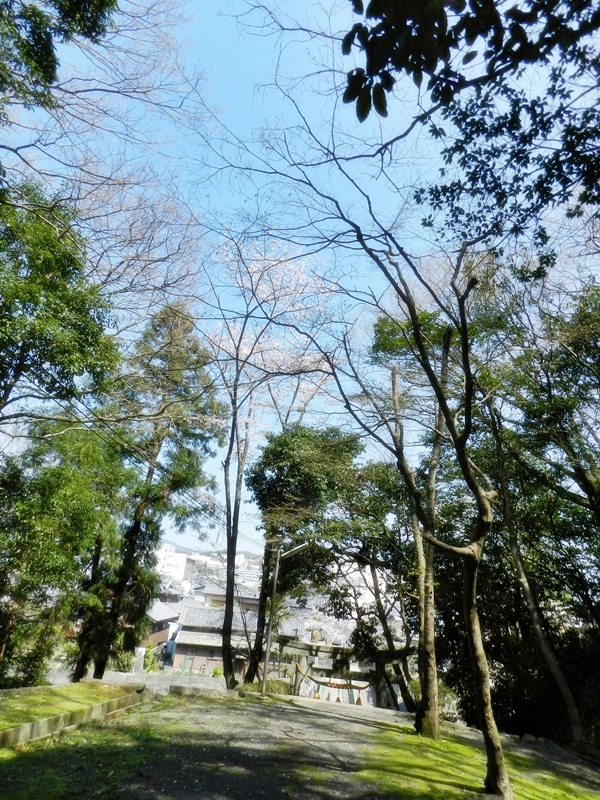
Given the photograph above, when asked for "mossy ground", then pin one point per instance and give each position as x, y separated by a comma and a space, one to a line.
408, 767
183, 747
273, 687
18, 706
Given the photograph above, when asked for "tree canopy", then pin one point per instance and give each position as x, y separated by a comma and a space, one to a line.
514, 103
299, 471
459, 45
53, 320
29, 35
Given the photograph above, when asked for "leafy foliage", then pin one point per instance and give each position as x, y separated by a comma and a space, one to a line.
52, 319
515, 104
438, 41
58, 499
29, 34
299, 472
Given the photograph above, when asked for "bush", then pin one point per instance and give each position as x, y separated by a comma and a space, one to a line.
122, 662
217, 672
27, 657
149, 658
273, 687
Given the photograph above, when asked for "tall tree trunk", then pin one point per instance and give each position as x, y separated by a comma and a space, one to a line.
83, 659
427, 720
233, 503
496, 779
380, 685
84, 640
535, 613
261, 621
228, 660
407, 697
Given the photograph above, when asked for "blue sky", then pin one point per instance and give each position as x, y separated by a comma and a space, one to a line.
239, 68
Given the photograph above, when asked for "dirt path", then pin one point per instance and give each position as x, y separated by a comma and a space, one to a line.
201, 748
188, 748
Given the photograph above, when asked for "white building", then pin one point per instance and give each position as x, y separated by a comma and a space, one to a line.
172, 564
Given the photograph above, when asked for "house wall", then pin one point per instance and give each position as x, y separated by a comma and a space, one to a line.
197, 659
158, 637
203, 660
161, 631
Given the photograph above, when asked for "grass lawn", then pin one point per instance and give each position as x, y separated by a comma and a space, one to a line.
181, 748
18, 706
407, 767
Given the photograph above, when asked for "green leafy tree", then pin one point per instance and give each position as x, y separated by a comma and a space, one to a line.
174, 418
543, 425
29, 35
383, 408
95, 467
298, 474
554, 541
372, 533
52, 319
59, 500
308, 488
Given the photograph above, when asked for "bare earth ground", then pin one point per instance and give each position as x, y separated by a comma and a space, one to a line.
202, 748
184, 747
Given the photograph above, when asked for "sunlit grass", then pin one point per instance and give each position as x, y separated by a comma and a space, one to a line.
28, 705
408, 767
150, 746
273, 686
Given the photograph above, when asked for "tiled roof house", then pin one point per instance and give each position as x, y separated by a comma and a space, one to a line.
198, 643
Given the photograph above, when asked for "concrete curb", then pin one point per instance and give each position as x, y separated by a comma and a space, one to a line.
11, 737
200, 691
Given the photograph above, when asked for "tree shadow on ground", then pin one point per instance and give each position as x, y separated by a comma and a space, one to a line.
187, 749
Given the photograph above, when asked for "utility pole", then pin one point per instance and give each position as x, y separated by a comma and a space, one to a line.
279, 556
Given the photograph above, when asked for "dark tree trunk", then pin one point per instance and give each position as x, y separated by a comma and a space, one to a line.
85, 638
228, 661
407, 697
535, 615
100, 664
390, 687
126, 570
83, 661
380, 685
124, 576
261, 622
496, 780
233, 501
